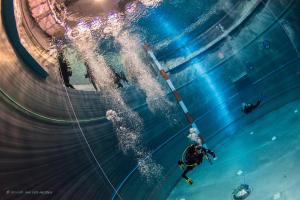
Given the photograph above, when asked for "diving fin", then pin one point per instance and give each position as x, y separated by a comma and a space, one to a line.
181, 165
189, 181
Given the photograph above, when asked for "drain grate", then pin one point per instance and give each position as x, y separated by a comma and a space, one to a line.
241, 192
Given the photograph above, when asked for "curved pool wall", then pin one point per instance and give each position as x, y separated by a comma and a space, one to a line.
43, 148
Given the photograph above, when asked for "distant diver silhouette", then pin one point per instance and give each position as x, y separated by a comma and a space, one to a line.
249, 107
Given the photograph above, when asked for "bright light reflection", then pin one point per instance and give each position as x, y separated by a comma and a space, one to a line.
216, 93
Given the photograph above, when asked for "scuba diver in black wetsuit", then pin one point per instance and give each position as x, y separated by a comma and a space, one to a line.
118, 77
90, 76
65, 69
249, 107
193, 156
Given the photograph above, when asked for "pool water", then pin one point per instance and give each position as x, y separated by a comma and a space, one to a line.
264, 154
124, 142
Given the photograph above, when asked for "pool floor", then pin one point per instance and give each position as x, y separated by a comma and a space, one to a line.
264, 155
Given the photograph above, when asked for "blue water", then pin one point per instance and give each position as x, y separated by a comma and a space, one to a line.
59, 140
262, 155
172, 18
213, 84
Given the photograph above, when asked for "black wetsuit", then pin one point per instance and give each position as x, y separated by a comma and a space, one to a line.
250, 107
90, 75
66, 71
193, 157
118, 77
